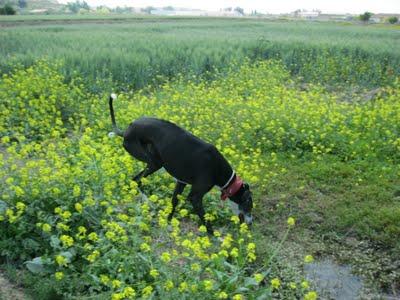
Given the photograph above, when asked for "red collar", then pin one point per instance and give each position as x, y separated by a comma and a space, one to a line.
232, 189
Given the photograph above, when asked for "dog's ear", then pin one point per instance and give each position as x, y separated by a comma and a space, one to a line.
246, 186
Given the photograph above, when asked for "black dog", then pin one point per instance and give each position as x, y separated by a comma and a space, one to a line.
190, 160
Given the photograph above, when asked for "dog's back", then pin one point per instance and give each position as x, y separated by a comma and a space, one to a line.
182, 154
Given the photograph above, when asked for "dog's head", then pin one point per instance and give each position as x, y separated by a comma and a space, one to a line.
244, 201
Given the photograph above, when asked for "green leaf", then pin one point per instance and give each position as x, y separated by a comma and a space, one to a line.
36, 265
54, 242
30, 244
3, 206
249, 281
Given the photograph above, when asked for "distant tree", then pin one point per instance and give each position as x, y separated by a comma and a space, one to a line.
103, 9
393, 20
7, 10
22, 3
239, 10
228, 9
147, 9
76, 6
366, 16
170, 8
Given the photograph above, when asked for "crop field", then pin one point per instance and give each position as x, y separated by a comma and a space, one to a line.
307, 113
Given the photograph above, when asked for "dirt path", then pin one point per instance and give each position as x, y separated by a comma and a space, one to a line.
9, 291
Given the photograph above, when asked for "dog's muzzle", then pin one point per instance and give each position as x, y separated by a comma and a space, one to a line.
246, 218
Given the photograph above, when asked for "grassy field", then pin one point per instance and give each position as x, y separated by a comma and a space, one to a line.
140, 51
269, 95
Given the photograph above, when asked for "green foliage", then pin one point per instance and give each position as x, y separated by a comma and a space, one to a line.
70, 211
76, 6
393, 20
366, 16
7, 10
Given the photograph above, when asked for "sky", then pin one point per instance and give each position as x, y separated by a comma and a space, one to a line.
270, 6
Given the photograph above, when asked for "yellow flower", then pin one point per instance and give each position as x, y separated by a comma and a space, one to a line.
275, 283
145, 247
208, 285
251, 247
154, 273
183, 287
237, 297
67, 240
46, 227
62, 226
203, 228
93, 236
93, 256
117, 296
61, 260
291, 221
235, 219
66, 215
168, 285
194, 287
129, 292
222, 295
77, 191
153, 198
235, 252
311, 296
195, 267
258, 277
78, 207
308, 259
183, 212
165, 257
147, 291
223, 253
59, 275
293, 285
305, 284
227, 242
244, 228
20, 206
116, 283
104, 279
110, 235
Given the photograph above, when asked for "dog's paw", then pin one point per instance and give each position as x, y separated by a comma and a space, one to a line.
113, 96
111, 134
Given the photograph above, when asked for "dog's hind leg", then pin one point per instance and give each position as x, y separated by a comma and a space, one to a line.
179, 187
145, 153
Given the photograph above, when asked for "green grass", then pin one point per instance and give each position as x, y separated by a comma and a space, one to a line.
137, 51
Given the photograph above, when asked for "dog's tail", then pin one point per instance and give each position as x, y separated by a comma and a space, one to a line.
116, 130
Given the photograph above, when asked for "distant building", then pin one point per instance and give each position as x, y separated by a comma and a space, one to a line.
38, 11
305, 14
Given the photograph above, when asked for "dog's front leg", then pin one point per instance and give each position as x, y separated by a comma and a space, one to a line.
150, 169
196, 198
179, 187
